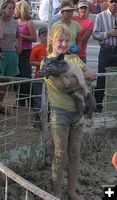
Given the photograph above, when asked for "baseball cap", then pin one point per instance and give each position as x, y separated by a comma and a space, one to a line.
82, 4
66, 5
42, 30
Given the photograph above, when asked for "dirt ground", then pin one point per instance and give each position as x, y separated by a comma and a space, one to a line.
94, 171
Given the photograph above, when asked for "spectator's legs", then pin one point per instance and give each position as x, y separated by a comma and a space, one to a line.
25, 72
103, 63
37, 92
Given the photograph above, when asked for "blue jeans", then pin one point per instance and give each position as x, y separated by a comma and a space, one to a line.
107, 58
25, 72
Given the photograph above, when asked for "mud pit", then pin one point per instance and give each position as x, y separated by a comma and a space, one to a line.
95, 168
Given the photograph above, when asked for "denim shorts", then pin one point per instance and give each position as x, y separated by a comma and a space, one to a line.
65, 118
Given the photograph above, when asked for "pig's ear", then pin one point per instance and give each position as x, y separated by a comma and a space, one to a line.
61, 57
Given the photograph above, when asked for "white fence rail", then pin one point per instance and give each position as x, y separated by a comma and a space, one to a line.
24, 183
21, 119
19, 125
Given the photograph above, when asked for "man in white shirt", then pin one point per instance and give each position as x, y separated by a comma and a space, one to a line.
44, 10
105, 31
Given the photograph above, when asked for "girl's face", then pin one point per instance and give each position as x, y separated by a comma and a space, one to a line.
9, 10
60, 45
17, 13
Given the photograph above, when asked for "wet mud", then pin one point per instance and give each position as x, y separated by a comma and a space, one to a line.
95, 168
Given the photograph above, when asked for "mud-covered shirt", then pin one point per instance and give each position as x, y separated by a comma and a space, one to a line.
56, 97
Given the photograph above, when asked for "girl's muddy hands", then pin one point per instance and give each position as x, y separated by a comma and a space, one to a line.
90, 75
1, 33
1, 56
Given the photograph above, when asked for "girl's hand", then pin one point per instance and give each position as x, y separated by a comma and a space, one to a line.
19, 51
90, 75
23, 37
1, 56
1, 33
19, 46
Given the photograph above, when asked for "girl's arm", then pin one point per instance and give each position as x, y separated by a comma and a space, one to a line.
18, 45
18, 42
90, 75
35, 63
79, 40
1, 33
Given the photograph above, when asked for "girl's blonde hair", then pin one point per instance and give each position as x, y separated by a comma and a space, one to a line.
57, 31
4, 5
24, 9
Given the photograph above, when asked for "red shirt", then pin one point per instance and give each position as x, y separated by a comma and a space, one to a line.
86, 24
37, 54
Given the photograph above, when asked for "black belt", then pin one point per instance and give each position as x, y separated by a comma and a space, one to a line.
109, 47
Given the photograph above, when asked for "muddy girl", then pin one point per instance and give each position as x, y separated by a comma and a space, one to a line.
70, 79
65, 119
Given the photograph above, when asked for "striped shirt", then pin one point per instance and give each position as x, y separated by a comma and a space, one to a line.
10, 33
104, 22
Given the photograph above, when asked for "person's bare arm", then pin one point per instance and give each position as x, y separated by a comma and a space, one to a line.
19, 45
86, 36
90, 75
34, 63
79, 40
1, 33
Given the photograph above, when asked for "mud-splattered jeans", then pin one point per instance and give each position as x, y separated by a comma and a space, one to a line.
67, 135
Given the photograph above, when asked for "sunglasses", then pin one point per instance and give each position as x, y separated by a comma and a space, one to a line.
113, 1
83, 7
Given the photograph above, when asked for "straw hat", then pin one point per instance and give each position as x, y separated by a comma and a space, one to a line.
67, 5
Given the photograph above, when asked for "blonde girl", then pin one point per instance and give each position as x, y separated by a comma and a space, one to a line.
65, 118
28, 35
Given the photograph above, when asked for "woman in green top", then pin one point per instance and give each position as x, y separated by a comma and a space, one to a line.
66, 129
67, 9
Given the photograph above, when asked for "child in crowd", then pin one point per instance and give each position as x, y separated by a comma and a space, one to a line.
37, 54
